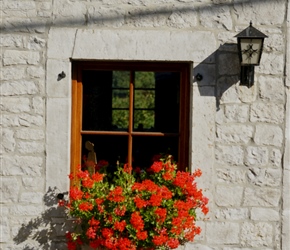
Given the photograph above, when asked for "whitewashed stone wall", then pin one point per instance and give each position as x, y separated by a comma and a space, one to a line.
240, 136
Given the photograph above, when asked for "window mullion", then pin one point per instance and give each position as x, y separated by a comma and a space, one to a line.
131, 116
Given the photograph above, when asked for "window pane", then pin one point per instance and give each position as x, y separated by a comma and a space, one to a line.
144, 148
97, 100
120, 98
144, 99
144, 120
121, 79
167, 103
108, 148
120, 119
144, 80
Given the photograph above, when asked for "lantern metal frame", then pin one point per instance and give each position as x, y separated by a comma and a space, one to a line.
250, 47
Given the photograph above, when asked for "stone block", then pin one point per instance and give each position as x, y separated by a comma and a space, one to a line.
14, 104
178, 19
265, 177
274, 42
222, 233
144, 45
272, 89
231, 175
232, 214
30, 147
275, 157
7, 139
26, 210
56, 87
21, 165
31, 197
257, 234
4, 229
38, 105
22, 87
228, 196
228, 134
227, 91
260, 13
262, 197
229, 155
12, 73
247, 95
216, 18
35, 71
256, 156
271, 62
267, 112
237, 113
35, 43
272, 113
12, 40
9, 189
268, 135
29, 134
264, 214
9, 120
16, 57
57, 46
28, 120
58, 143
32, 183
104, 16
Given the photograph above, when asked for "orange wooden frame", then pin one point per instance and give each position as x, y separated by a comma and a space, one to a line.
77, 95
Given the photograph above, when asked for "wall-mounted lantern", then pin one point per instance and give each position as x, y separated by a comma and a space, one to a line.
250, 46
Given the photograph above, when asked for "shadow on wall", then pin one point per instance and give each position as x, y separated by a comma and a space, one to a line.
52, 224
219, 71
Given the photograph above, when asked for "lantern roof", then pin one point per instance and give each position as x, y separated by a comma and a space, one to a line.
251, 32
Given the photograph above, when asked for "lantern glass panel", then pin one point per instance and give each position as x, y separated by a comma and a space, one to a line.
251, 51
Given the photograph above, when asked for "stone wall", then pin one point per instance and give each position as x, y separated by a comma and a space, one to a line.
240, 136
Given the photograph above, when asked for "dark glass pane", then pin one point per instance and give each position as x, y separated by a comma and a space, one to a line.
144, 148
121, 79
97, 100
108, 148
144, 80
144, 120
120, 98
120, 119
144, 99
167, 102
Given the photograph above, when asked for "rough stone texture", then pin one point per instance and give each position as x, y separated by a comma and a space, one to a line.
256, 156
234, 134
237, 113
229, 155
256, 235
229, 196
222, 232
239, 135
231, 175
235, 214
264, 214
262, 197
9, 191
267, 112
265, 177
268, 135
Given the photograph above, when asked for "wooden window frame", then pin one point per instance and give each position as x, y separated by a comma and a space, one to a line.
77, 94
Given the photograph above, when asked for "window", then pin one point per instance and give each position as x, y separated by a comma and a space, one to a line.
130, 111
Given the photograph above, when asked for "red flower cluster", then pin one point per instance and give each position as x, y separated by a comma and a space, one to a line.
159, 210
